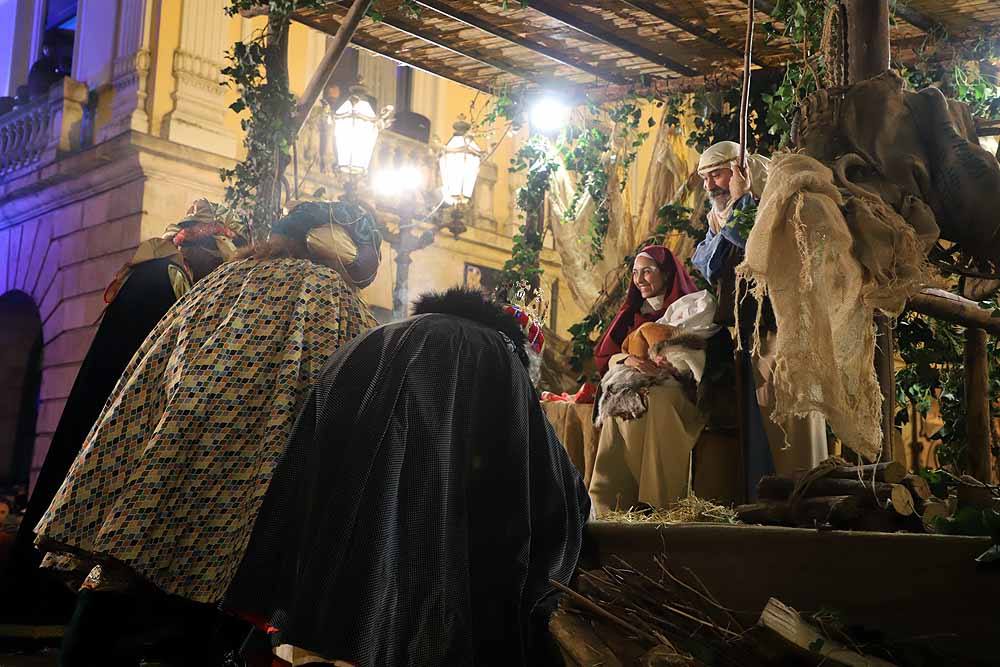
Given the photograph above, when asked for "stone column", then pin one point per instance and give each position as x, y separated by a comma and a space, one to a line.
130, 70
378, 75
199, 100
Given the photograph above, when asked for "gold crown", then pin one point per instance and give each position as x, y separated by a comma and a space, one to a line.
528, 299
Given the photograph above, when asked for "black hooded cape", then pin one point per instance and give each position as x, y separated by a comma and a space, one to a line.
423, 502
144, 298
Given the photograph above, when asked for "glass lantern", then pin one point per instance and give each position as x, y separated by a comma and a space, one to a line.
355, 131
460, 160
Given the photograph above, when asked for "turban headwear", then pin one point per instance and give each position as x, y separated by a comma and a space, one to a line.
724, 153
339, 231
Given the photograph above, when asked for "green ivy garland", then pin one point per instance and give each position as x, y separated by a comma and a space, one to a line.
258, 71
536, 159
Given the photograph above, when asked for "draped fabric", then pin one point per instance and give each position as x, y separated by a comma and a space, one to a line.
170, 478
677, 283
421, 507
141, 300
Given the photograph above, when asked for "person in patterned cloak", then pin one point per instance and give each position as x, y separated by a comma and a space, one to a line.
423, 504
160, 272
157, 508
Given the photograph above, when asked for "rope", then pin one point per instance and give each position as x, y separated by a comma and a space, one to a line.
745, 96
819, 472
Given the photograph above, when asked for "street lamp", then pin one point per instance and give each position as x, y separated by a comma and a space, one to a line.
459, 163
355, 130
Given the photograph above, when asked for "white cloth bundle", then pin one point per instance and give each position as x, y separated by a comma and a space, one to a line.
692, 315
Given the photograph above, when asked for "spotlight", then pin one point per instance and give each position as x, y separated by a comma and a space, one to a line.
549, 114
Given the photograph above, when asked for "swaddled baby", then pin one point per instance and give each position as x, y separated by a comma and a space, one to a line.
678, 339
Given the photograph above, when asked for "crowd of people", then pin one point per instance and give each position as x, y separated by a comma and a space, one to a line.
247, 463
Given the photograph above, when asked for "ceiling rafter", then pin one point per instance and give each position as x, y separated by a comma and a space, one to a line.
603, 34
667, 16
555, 54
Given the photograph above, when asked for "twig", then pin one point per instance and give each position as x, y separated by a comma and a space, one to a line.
600, 611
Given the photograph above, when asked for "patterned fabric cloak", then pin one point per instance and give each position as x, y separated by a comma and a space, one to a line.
421, 508
171, 477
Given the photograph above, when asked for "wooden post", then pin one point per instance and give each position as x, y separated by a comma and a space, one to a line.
977, 405
867, 56
329, 63
867, 38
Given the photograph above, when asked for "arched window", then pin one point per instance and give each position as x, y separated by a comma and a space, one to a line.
20, 380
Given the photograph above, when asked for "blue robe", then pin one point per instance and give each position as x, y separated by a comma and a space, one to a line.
713, 257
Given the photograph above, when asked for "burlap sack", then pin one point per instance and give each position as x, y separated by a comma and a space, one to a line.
800, 253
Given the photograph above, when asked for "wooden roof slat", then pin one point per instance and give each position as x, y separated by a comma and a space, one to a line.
379, 47
660, 12
432, 35
608, 36
611, 45
557, 55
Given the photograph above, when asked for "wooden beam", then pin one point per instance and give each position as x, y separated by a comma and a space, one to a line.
555, 54
321, 77
594, 29
977, 405
667, 16
380, 48
435, 38
919, 20
953, 308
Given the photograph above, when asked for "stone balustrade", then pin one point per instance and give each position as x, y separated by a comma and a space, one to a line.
33, 136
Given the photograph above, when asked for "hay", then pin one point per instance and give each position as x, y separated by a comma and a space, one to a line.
686, 510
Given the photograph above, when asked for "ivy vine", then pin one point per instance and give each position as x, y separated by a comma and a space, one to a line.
257, 70
536, 159
933, 351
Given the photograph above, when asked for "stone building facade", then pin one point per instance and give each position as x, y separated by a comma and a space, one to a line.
119, 148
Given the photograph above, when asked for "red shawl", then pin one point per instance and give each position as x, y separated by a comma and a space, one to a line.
676, 283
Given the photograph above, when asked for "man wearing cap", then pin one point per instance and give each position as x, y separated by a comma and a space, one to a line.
159, 273
801, 443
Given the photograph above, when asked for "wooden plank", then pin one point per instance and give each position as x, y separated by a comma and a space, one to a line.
977, 405
321, 77
555, 54
674, 19
437, 38
379, 47
607, 35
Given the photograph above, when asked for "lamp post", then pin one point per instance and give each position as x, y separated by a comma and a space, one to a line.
356, 129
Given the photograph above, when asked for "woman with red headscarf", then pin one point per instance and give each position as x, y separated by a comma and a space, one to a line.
646, 460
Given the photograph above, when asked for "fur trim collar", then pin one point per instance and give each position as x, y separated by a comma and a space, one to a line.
472, 305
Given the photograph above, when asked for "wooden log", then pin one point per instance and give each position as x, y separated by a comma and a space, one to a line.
579, 642
804, 638
931, 513
977, 405
773, 487
918, 486
895, 496
835, 510
953, 308
892, 472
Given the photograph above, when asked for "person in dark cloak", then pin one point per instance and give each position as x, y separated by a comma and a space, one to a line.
423, 504
160, 272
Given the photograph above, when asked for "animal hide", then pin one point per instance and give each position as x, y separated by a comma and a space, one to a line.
624, 392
